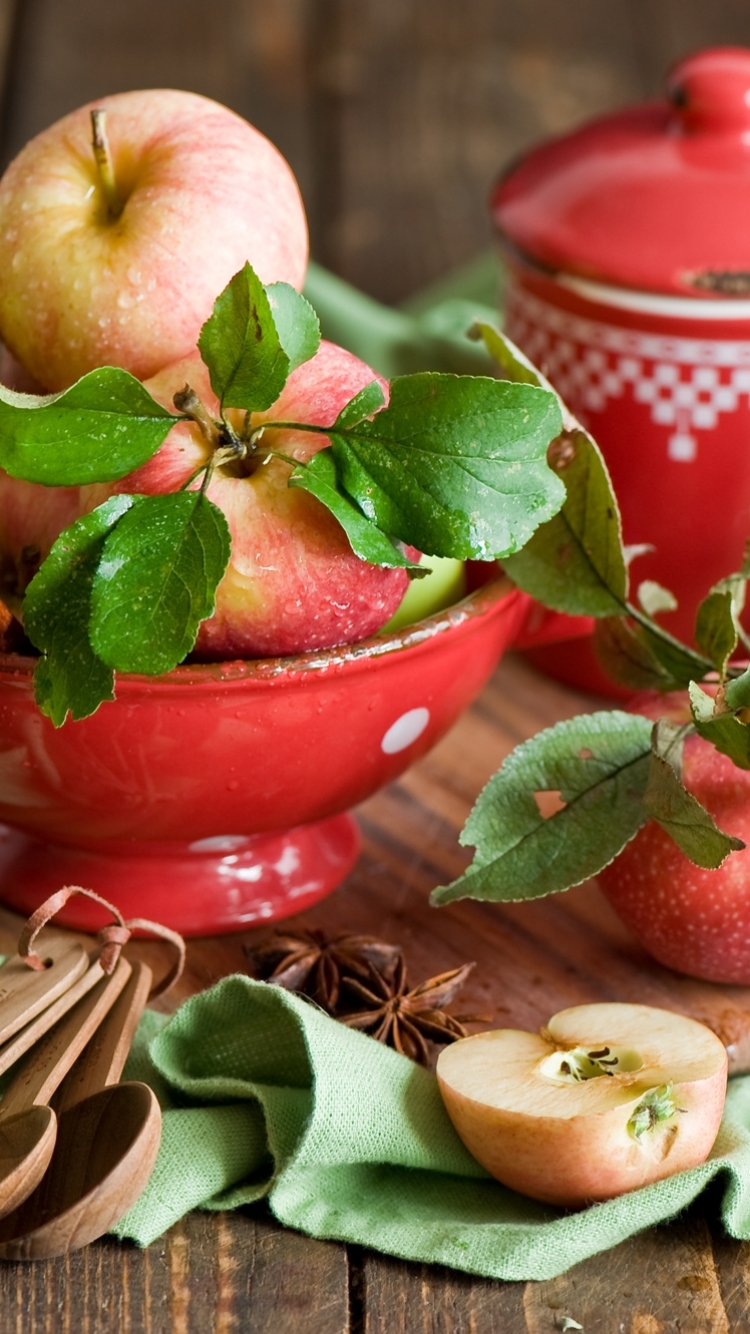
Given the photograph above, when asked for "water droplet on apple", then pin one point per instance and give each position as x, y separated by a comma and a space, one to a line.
125, 300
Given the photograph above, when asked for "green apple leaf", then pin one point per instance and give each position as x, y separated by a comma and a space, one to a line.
297, 324
69, 677
455, 466
364, 404
642, 658
241, 346
679, 813
319, 477
728, 733
575, 562
737, 691
100, 429
716, 627
157, 580
597, 765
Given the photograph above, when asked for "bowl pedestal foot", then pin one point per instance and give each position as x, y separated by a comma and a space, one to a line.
206, 887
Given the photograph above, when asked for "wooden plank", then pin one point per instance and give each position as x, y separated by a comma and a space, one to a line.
661, 1282
399, 1298
430, 102
212, 1272
732, 1259
251, 57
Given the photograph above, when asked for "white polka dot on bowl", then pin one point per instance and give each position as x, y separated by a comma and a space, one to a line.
405, 730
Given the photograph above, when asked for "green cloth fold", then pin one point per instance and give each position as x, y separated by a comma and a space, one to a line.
265, 1095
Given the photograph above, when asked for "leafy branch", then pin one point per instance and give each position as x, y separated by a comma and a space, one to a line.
451, 465
609, 771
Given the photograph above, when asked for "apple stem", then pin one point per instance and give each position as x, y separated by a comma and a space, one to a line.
188, 403
104, 164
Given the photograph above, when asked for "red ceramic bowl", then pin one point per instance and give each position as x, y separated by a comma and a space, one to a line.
215, 796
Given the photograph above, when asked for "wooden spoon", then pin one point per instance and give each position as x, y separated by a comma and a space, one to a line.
107, 1142
27, 1125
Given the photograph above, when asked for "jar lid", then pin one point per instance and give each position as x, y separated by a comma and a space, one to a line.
655, 197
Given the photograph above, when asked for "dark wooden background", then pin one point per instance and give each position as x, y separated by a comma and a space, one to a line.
396, 115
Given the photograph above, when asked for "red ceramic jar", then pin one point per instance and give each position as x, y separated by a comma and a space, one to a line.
628, 250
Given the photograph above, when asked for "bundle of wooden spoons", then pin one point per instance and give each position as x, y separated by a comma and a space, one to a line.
70, 1168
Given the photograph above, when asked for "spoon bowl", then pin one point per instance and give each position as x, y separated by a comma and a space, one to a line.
27, 1141
105, 1152
28, 1126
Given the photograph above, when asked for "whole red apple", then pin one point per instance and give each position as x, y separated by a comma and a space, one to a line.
293, 582
126, 276
693, 920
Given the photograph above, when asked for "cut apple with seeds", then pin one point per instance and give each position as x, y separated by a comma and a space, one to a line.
605, 1099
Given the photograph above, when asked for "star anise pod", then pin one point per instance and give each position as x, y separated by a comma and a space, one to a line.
310, 963
405, 1019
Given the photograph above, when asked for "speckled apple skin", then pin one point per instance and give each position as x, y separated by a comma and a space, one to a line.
575, 1161
205, 193
693, 920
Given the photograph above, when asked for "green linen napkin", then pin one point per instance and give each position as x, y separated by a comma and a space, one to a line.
267, 1096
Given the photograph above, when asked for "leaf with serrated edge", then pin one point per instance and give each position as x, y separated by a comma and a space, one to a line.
737, 691
724, 729
69, 677
575, 561
364, 404
455, 465
683, 817
627, 657
715, 627
319, 478
103, 427
297, 325
157, 581
599, 765
240, 345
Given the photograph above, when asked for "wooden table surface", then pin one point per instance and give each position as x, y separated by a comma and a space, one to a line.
243, 1272
395, 115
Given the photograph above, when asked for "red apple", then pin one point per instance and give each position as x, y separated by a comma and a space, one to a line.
198, 192
293, 582
693, 920
605, 1099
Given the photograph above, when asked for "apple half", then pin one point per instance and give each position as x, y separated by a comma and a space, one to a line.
604, 1099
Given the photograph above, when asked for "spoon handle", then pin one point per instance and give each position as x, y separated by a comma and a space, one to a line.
16, 1047
102, 1059
25, 993
50, 1060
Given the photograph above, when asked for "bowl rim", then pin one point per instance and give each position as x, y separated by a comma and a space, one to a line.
471, 608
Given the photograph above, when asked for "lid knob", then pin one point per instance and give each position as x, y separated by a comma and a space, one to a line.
711, 91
